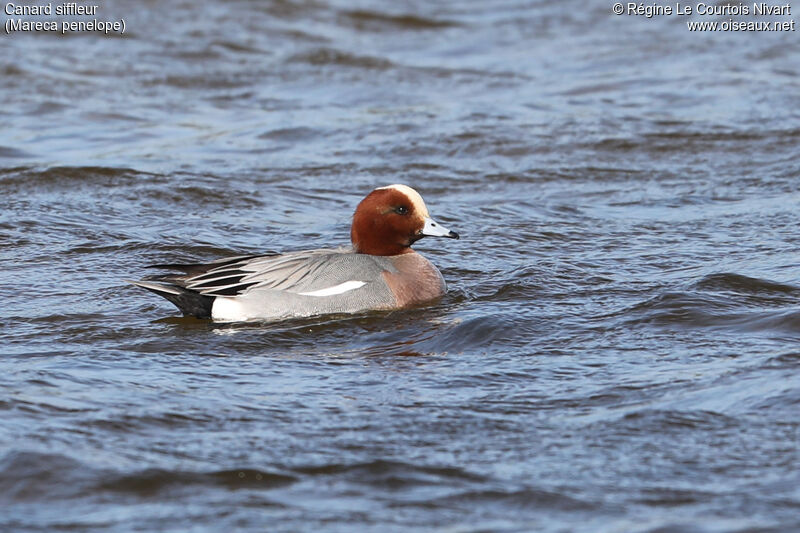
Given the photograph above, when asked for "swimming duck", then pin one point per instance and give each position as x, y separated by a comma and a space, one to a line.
379, 272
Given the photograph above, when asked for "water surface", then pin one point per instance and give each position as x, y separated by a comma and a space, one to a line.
618, 349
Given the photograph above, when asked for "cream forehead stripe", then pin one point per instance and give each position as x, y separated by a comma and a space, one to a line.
412, 195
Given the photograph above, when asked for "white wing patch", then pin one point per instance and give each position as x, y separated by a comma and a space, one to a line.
336, 289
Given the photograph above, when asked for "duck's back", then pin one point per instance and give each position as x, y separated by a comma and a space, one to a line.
309, 283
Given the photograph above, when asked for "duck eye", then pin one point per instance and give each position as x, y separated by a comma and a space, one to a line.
401, 210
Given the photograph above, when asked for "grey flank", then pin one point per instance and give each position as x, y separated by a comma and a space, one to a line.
273, 286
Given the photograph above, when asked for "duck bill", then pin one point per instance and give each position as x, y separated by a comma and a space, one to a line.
434, 229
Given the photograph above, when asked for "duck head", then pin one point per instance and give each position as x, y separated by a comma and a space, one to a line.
392, 218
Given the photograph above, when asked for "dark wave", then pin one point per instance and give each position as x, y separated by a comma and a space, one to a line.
724, 300
672, 497
769, 291
153, 482
35, 476
10, 71
26, 476
203, 196
31, 476
298, 134
377, 21
393, 474
8, 152
65, 178
686, 139
527, 499
671, 420
333, 57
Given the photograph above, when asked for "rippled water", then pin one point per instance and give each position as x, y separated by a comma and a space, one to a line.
618, 350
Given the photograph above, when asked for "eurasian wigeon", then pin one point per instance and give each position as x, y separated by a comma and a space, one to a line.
379, 272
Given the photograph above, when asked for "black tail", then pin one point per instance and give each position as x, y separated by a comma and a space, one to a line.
190, 303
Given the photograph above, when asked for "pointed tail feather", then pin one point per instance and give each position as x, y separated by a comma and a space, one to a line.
199, 268
187, 301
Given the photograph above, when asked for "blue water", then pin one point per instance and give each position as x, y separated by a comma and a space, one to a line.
618, 348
